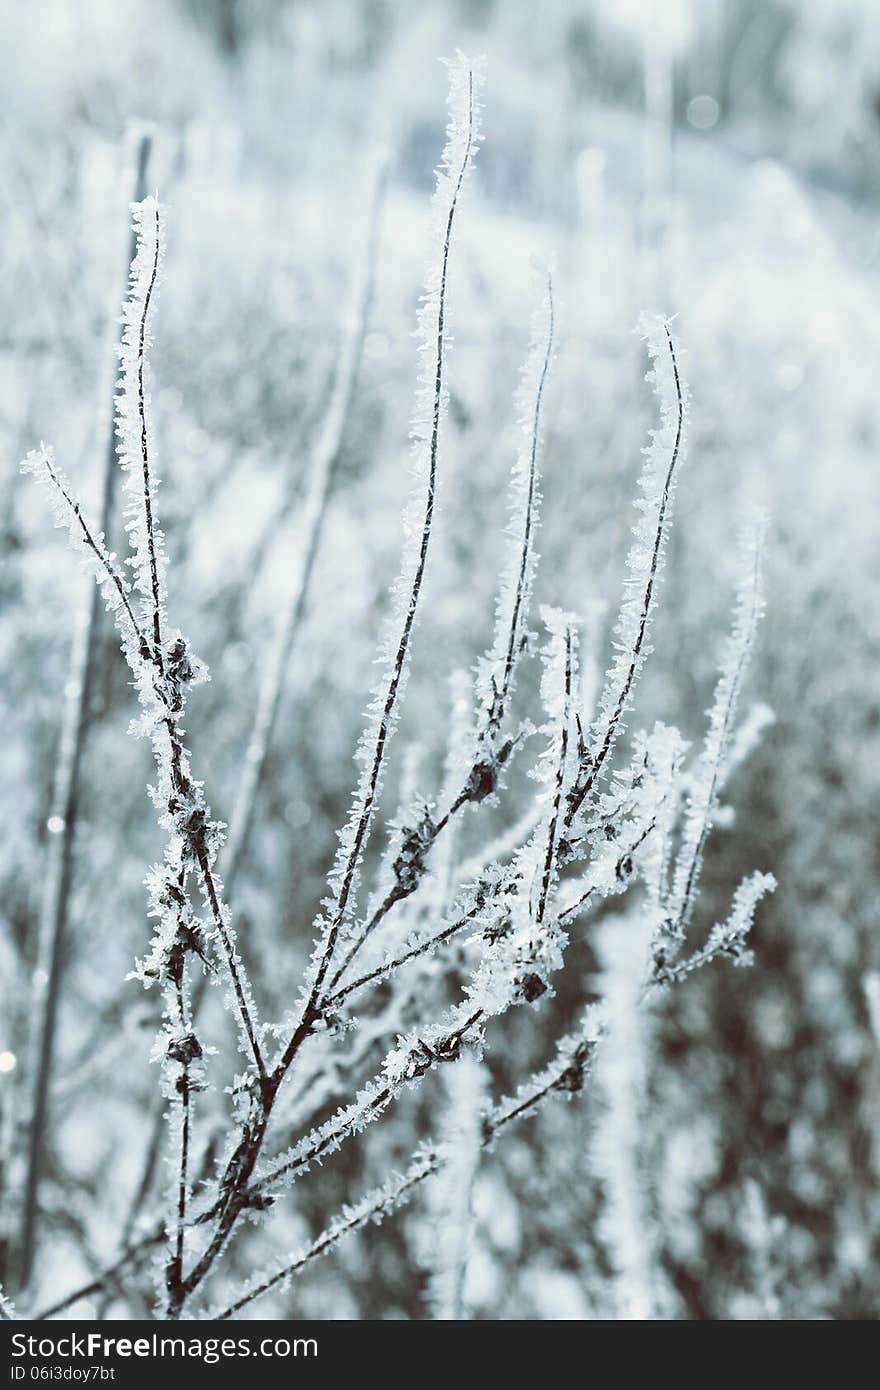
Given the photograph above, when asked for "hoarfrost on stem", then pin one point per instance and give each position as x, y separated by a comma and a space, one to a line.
646, 557
602, 824
432, 394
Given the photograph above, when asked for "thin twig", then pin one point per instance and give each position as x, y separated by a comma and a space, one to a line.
174, 1270
441, 1049
382, 972
142, 413
65, 793
582, 791
531, 499
550, 852
366, 813
568, 1078
495, 710
686, 905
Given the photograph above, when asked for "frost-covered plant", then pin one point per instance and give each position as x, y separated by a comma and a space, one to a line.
78, 694
604, 824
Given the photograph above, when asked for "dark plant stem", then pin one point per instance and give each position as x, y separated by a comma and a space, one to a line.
65, 794
492, 716
687, 904
529, 522
569, 1078
365, 817
586, 784
550, 852
174, 1271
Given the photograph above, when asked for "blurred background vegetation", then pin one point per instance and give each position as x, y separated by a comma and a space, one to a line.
718, 160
